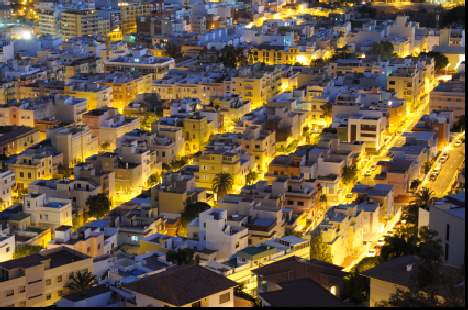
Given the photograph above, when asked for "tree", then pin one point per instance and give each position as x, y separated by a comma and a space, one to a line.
424, 198
231, 57
383, 49
440, 60
398, 245
348, 174
180, 256
173, 50
411, 298
81, 281
191, 211
222, 184
319, 250
26, 250
414, 184
429, 251
323, 198
153, 179
251, 177
98, 205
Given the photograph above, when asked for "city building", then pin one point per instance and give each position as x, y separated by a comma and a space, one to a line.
39, 279
187, 285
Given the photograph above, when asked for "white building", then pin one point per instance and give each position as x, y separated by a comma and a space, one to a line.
7, 244
52, 212
7, 181
213, 233
447, 217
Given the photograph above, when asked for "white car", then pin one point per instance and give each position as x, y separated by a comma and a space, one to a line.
457, 143
371, 253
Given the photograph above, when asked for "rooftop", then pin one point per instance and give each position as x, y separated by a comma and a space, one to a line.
181, 285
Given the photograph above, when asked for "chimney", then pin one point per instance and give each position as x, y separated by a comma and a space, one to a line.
409, 267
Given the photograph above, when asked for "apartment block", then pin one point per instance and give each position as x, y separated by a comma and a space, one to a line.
39, 279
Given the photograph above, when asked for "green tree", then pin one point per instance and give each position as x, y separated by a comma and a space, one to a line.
222, 184
154, 179
319, 250
26, 250
429, 251
383, 49
231, 57
349, 174
440, 60
173, 50
191, 211
81, 281
414, 184
98, 205
424, 198
181, 256
411, 298
251, 177
398, 245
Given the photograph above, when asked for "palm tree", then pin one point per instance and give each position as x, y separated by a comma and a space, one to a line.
424, 198
250, 177
81, 281
153, 179
222, 184
348, 174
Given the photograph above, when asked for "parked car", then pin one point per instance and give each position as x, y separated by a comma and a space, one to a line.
457, 143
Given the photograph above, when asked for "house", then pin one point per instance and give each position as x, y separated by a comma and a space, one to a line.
447, 217
213, 232
7, 181
326, 275
39, 279
96, 296
16, 139
389, 276
185, 285
299, 293
48, 211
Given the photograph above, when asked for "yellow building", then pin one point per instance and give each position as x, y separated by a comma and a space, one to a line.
412, 82
197, 132
257, 83
213, 162
39, 280
282, 56
75, 142
260, 144
125, 90
129, 11
82, 22
32, 166
126, 86
231, 107
115, 35
97, 96
15, 139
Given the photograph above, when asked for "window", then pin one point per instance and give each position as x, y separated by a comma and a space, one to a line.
59, 279
48, 296
224, 298
447, 233
10, 293
22, 289
197, 304
48, 282
446, 252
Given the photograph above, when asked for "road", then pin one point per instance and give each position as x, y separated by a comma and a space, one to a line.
449, 170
